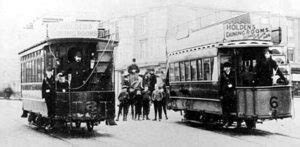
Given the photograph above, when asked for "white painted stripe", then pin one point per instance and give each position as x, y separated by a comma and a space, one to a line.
195, 98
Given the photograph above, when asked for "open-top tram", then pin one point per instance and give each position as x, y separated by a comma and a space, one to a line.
91, 101
195, 68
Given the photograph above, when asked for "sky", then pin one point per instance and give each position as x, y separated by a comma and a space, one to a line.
14, 14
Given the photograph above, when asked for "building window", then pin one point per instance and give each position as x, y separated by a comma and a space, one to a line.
291, 29
143, 25
290, 54
143, 49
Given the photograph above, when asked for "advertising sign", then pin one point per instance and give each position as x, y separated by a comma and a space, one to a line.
246, 31
73, 30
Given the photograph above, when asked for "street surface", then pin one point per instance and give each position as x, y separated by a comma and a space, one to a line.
15, 131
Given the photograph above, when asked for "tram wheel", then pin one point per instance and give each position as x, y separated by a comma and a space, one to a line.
78, 124
251, 124
191, 115
31, 117
90, 126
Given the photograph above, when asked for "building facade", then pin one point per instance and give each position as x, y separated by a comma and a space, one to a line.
143, 36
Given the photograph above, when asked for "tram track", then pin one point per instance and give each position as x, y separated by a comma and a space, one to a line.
261, 137
59, 138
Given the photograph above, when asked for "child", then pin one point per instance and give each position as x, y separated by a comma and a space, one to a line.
123, 98
146, 102
138, 104
157, 97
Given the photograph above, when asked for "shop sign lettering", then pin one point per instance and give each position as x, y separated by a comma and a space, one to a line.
246, 31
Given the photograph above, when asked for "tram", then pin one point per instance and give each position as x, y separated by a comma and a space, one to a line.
194, 74
90, 103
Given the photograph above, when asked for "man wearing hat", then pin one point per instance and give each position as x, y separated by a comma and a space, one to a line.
264, 70
133, 68
227, 87
49, 92
152, 80
77, 71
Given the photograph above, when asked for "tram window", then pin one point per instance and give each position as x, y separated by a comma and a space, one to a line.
187, 70
211, 66
31, 71
27, 71
177, 72
194, 70
26, 68
39, 72
23, 73
171, 72
34, 71
182, 71
206, 69
200, 70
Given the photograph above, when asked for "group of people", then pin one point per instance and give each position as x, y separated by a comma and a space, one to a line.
138, 92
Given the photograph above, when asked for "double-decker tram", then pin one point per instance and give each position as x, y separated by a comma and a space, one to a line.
195, 68
89, 101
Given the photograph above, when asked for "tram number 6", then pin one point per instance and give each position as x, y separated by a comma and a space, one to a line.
274, 102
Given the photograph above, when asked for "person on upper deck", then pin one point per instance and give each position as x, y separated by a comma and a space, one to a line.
264, 70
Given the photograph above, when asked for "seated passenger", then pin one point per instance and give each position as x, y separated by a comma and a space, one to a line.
247, 77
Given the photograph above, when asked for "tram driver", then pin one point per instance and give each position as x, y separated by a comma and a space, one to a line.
49, 93
227, 87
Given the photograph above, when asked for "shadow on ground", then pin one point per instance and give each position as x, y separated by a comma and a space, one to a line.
232, 131
67, 133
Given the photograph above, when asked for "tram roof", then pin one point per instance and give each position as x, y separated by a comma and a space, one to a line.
56, 40
232, 44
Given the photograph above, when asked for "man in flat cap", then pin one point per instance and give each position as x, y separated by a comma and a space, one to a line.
49, 93
227, 87
123, 103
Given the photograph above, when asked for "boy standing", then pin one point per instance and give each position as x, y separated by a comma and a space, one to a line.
123, 99
157, 97
146, 102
